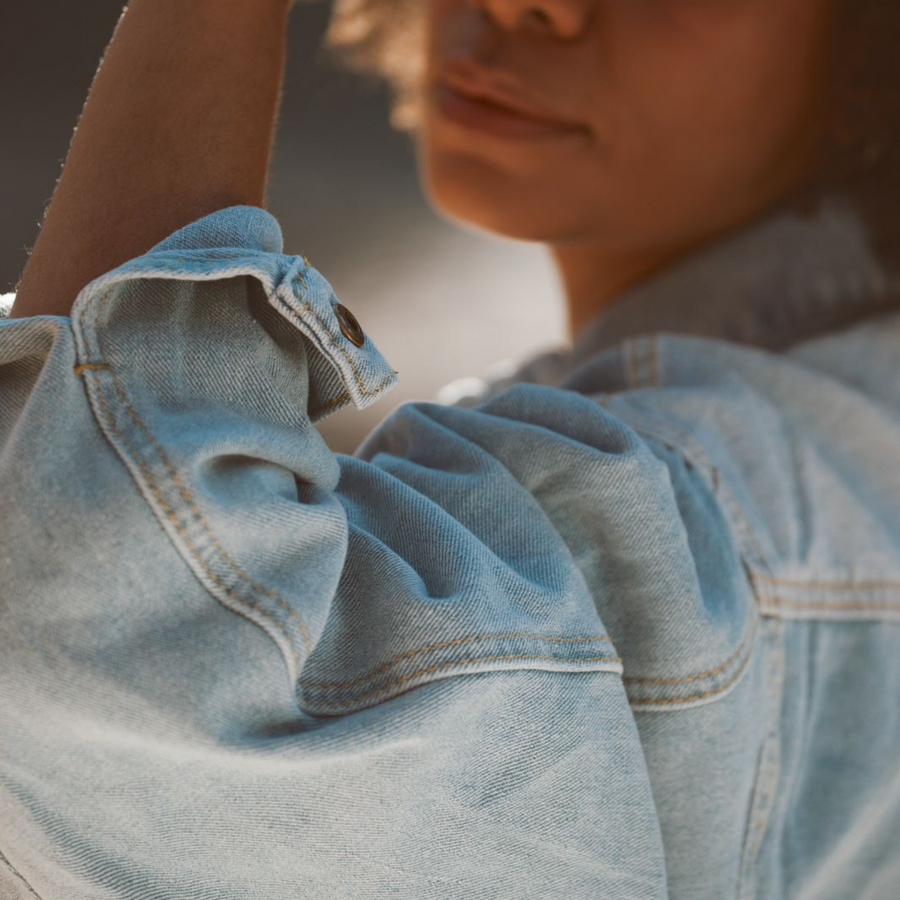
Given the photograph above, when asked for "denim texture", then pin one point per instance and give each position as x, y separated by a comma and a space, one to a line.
624, 625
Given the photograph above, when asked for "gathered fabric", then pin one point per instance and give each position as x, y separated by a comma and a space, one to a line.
622, 624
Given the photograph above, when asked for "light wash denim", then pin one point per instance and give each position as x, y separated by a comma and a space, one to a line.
622, 628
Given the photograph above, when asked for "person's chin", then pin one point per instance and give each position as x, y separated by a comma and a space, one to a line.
488, 205
481, 215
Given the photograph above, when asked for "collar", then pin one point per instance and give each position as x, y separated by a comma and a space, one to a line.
772, 283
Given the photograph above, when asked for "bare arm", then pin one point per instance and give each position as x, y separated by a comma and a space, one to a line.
179, 122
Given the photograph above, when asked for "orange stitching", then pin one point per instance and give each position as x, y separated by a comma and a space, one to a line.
99, 309
651, 423
84, 313
330, 403
638, 679
643, 361
772, 738
637, 343
186, 496
735, 507
671, 701
81, 317
843, 585
90, 367
307, 307
182, 531
460, 662
453, 643
836, 607
189, 500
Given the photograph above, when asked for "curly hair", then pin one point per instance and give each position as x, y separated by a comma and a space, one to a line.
385, 38
860, 151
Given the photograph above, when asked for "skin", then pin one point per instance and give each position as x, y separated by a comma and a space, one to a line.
179, 122
698, 115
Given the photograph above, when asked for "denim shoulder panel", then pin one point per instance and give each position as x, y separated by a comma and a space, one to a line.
368, 583
473, 538
570, 491
795, 445
151, 745
788, 451
777, 464
789, 454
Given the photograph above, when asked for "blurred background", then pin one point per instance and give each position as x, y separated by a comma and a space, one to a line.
440, 302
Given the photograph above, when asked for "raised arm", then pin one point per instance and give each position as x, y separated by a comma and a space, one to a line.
179, 122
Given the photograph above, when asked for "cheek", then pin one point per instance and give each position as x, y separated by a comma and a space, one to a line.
711, 111
701, 109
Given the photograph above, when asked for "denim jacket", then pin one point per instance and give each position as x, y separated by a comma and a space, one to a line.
625, 626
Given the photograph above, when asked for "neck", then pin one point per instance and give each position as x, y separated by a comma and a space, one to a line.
593, 276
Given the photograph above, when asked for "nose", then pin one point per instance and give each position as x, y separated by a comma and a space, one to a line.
564, 19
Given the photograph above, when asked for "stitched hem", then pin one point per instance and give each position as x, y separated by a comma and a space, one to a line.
863, 599
685, 444
780, 608
652, 693
455, 667
768, 772
455, 642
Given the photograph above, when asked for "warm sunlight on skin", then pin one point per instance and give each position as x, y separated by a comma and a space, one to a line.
689, 116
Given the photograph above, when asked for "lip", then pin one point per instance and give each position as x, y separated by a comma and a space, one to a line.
493, 103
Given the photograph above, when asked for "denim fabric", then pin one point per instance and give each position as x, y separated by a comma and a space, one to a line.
624, 627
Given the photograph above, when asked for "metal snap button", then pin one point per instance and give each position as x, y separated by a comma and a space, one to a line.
350, 328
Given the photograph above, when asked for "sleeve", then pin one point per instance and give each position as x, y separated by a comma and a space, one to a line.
234, 664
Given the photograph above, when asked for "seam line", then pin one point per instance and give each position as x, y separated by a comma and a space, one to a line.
672, 701
451, 643
202, 521
323, 406
652, 423
772, 741
462, 662
306, 306
179, 526
781, 602
638, 679
841, 585
182, 531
